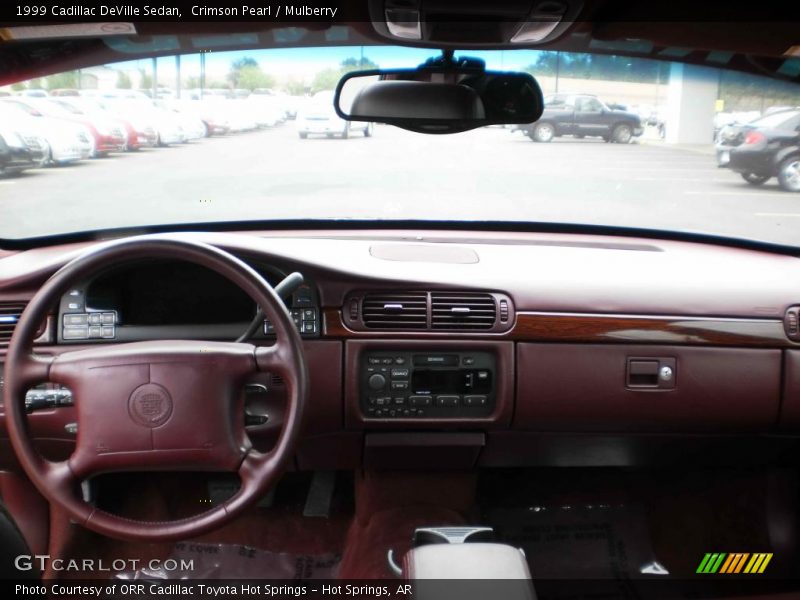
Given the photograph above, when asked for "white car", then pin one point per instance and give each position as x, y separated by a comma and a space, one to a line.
318, 117
265, 109
142, 112
193, 126
63, 141
236, 114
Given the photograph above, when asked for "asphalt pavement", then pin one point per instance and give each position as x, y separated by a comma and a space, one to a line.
487, 174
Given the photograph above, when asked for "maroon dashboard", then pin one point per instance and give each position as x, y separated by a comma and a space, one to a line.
449, 349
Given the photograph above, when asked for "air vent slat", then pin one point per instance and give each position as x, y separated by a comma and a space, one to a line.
395, 311
463, 311
9, 314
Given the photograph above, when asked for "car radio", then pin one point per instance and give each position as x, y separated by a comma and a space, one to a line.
436, 385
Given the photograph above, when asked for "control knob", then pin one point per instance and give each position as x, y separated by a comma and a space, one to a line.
377, 381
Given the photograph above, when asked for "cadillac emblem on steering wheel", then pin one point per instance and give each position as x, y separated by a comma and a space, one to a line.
150, 405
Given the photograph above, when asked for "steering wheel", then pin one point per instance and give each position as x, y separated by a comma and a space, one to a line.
156, 405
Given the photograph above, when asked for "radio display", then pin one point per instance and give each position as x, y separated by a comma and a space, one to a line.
453, 381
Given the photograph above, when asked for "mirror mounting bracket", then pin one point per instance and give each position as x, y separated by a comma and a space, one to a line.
448, 61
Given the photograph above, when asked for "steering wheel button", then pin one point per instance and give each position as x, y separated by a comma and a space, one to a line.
108, 318
76, 319
76, 333
108, 331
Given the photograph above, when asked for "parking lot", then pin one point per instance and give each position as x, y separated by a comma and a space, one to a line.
487, 174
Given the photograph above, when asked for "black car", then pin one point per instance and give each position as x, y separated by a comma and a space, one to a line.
764, 148
15, 157
583, 115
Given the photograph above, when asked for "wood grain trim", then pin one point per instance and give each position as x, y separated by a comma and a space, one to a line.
567, 327
600, 328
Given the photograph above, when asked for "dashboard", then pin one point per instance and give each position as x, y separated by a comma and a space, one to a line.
452, 349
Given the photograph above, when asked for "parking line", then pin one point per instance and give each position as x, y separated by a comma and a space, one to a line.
797, 215
682, 180
732, 193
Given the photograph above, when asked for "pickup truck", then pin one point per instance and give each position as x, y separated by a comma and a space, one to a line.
583, 115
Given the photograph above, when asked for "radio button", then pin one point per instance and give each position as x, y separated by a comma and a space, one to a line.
374, 360
399, 360
447, 400
399, 385
399, 373
399, 401
475, 400
386, 361
420, 400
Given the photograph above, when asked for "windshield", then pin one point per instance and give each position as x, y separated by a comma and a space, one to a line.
252, 136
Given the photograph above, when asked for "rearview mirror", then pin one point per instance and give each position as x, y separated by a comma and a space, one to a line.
439, 99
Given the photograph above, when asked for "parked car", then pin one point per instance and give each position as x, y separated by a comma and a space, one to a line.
137, 134
141, 110
765, 148
15, 155
583, 115
107, 136
265, 109
318, 117
192, 126
211, 114
56, 140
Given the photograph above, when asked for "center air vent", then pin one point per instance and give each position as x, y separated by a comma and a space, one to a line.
9, 315
440, 311
462, 311
395, 311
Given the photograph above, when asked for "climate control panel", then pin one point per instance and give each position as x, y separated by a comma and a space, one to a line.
403, 384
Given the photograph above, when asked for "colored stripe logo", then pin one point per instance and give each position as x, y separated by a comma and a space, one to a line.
734, 563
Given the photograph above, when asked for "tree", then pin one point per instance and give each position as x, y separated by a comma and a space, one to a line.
328, 78
18, 86
35, 84
246, 64
145, 80
124, 81
325, 80
357, 64
250, 78
295, 87
68, 79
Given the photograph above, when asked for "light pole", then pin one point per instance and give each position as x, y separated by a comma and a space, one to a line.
178, 76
